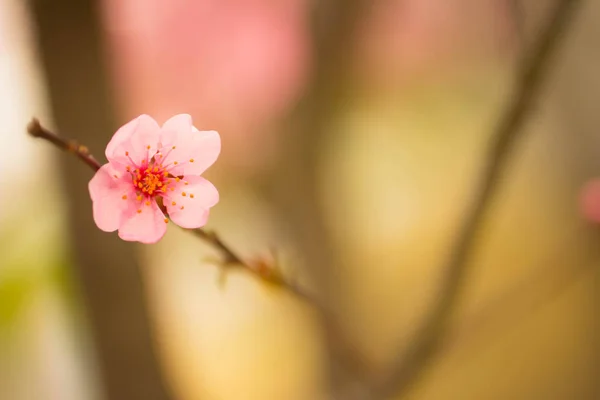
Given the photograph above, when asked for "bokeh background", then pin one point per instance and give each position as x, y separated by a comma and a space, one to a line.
391, 165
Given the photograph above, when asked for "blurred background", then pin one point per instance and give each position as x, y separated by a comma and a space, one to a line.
352, 152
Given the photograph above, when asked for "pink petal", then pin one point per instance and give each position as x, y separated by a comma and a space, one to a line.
135, 141
590, 201
200, 196
176, 133
146, 227
205, 150
181, 123
187, 150
122, 135
107, 192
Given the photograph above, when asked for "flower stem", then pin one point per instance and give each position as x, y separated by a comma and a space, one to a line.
264, 270
35, 129
230, 258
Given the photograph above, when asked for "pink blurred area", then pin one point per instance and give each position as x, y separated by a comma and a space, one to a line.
590, 201
234, 65
239, 65
404, 40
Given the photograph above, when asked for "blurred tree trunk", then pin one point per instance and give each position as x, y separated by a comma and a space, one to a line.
71, 53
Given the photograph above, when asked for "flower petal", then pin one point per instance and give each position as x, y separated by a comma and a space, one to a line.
148, 226
188, 205
186, 150
122, 135
176, 134
135, 141
204, 150
110, 195
181, 123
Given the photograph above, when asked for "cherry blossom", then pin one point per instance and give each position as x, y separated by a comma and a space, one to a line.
153, 170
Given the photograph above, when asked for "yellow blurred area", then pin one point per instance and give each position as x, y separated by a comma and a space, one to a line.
396, 172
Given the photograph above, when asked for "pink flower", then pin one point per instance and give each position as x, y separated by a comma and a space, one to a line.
152, 167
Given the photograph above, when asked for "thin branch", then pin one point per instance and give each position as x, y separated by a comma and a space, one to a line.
265, 271
410, 365
229, 256
35, 129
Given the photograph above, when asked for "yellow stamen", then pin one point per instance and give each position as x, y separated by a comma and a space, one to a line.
139, 211
173, 204
124, 197
191, 160
166, 221
183, 194
147, 202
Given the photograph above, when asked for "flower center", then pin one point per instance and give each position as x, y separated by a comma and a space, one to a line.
150, 180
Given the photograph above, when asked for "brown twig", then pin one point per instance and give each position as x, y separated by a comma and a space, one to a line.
410, 364
229, 257
35, 129
267, 272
